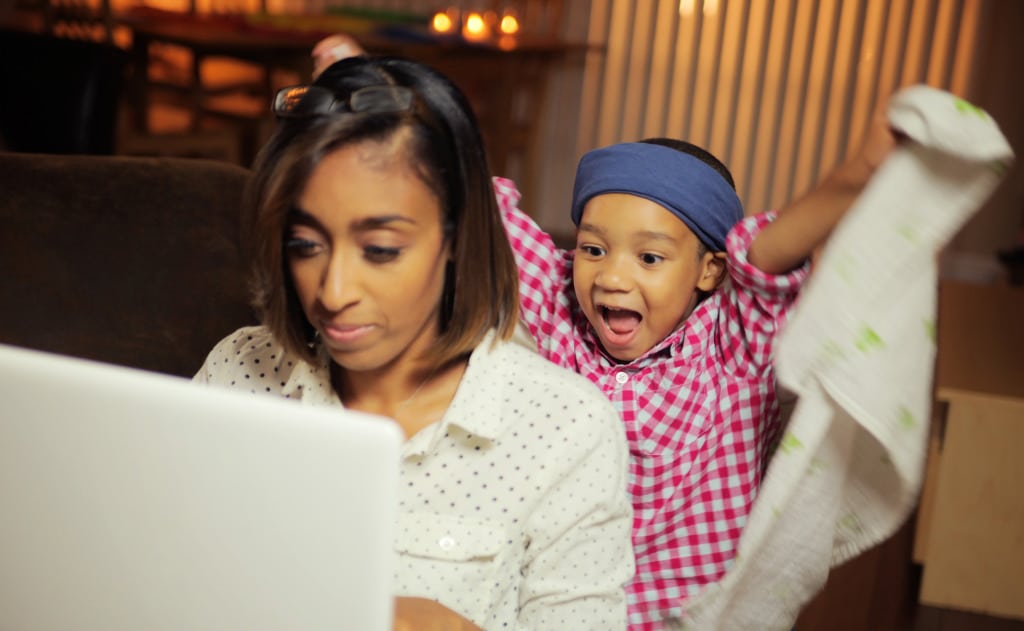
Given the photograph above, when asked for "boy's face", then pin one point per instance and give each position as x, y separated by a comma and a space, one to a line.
637, 271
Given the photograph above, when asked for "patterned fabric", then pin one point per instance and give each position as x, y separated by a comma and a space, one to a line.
859, 350
512, 520
700, 408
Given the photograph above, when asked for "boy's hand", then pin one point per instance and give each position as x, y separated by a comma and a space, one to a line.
333, 48
804, 225
878, 142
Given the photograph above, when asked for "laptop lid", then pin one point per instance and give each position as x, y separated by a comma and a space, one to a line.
133, 500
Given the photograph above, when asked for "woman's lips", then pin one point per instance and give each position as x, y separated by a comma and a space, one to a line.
345, 333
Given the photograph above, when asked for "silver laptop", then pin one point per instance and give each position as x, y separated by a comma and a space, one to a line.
131, 500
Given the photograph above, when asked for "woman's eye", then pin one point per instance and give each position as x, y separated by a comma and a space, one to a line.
297, 246
651, 259
378, 254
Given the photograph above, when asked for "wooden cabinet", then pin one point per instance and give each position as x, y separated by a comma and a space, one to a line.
970, 529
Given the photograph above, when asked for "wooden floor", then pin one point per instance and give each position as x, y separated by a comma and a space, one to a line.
934, 619
878, 591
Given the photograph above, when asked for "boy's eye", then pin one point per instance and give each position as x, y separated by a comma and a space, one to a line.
303, 248
592, 250
651, 259
379, 254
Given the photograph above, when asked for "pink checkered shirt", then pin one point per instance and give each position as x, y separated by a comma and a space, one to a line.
700, 408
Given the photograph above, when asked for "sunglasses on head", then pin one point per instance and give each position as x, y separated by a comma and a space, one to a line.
302, 101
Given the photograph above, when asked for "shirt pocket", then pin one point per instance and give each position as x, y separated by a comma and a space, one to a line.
467, 564
669, 430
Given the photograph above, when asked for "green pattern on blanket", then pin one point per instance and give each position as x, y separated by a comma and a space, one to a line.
929, 329
790, 443
964, 107
868, 340
906, 418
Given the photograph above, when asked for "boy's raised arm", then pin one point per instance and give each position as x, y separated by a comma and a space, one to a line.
804, 225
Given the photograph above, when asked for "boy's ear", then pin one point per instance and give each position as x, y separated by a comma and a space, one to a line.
712, 271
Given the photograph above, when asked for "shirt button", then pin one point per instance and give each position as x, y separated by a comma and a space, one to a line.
621, 377
446, 542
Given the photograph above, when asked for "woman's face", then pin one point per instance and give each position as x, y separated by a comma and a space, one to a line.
367, 254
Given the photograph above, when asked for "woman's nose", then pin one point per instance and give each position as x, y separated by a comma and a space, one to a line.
339, 284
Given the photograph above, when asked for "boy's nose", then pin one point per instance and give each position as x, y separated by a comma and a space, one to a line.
613, 276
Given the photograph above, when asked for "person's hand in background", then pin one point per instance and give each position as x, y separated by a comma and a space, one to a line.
333, 48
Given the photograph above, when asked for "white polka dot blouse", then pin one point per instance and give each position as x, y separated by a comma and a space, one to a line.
513, 507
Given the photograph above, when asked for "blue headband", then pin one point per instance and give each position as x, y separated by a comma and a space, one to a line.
687, 187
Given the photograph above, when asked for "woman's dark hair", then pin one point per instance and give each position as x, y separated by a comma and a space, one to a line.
442, 144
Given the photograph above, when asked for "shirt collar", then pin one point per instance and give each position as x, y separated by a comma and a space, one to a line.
310, 383
472, 409
481, 387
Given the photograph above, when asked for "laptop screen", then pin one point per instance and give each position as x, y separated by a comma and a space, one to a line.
133, 500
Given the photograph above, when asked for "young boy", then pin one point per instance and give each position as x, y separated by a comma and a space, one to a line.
670, 304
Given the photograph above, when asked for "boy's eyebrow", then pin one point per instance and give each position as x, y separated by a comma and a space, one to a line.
644, 234
653, 234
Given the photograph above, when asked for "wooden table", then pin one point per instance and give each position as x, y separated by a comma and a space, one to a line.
505, 85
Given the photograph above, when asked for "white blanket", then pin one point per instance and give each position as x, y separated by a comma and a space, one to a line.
859, 351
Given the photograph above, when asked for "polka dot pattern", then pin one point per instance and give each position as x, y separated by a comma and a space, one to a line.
513, 506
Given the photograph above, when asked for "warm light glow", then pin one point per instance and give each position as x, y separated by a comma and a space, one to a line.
509, 25
475, 26
686, 7
441, 22
507, 42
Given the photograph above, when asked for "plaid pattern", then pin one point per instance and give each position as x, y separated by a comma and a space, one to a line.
700, 408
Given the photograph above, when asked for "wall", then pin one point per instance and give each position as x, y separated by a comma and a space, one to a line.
997, 87
781, 90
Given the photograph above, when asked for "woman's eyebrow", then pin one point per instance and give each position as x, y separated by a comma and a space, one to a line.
297, 215
380, 221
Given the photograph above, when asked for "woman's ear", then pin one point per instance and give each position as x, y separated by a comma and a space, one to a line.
712, 271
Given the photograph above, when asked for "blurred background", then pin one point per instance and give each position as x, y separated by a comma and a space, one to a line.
780, 90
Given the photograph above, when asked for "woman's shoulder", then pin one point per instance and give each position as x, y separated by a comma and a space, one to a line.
536, 396
246, 341
240, 355
527, 370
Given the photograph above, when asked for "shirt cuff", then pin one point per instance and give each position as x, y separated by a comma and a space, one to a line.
744, 273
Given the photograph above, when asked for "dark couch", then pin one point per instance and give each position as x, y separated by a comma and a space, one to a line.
133, 261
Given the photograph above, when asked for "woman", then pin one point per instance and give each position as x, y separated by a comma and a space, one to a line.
386, 284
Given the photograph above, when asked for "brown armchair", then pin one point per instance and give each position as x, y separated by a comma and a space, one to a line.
133, 261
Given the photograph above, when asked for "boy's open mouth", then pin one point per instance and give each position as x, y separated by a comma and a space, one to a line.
620, 321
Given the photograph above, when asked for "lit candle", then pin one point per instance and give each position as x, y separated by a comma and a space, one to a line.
445, 21
509, 24
475, 27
